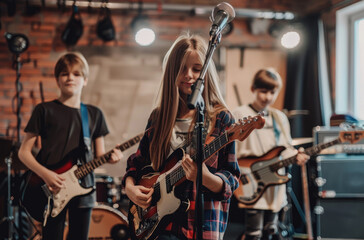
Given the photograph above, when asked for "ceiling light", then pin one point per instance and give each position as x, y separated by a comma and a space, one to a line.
105, 28
290, 39
143, 33
74, 29
145, 36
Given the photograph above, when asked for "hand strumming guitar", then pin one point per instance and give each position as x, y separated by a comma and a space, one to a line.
140, 195
53, 180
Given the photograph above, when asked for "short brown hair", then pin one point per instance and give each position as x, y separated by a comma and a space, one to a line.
70, 59
268, 79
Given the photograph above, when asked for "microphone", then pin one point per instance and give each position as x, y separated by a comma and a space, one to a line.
222, 14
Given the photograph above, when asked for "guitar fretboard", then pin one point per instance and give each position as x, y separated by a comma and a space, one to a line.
88, 167
177, 174
309, 151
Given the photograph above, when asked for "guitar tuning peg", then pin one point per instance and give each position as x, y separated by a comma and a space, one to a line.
263, 113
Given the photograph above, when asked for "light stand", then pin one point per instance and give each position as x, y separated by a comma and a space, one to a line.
17, 44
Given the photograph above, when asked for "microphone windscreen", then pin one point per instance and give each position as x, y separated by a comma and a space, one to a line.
224, 6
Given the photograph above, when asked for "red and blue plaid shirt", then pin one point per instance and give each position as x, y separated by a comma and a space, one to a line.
216, 205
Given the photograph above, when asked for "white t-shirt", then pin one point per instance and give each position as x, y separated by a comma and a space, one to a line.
180, 134
260, 141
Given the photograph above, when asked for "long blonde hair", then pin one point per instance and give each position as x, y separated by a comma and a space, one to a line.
165, 114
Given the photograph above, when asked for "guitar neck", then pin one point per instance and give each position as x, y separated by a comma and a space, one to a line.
178, 174
88, 167
309, 151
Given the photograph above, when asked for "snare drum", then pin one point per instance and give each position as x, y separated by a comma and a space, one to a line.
107, 191
108, 223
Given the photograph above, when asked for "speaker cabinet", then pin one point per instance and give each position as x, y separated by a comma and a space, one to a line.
340, 207
340, 176
340, 218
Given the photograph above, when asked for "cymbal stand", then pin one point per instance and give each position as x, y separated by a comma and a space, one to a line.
286, 227
9, 217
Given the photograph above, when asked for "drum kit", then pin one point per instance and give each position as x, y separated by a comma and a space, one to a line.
108, 218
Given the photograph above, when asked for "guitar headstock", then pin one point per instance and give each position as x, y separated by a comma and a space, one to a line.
351, 136
241, 129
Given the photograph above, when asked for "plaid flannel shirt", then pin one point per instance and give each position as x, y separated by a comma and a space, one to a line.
216, 205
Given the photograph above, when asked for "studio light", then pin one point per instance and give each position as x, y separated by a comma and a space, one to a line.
289, 35
74, 28
17, 42
290, 39
144, 35
105, 28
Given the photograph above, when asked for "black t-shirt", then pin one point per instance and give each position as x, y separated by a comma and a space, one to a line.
60, 129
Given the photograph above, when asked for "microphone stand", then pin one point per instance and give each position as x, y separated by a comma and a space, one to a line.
9, 159
195, 101
19, 100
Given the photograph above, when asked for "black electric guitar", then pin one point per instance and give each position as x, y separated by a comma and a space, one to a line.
258, 173
39, 201
147, 223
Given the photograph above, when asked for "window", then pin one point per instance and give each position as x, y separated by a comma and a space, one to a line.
359, 67
350, 60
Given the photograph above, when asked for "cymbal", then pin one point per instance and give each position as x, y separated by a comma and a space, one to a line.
300, 141
8, 146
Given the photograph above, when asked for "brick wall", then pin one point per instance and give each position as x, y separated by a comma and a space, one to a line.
44, 31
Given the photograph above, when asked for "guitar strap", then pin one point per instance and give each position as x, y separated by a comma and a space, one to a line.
278, 120
85, 128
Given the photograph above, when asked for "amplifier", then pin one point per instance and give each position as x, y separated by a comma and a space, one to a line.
340, 176
326, 134
339, 218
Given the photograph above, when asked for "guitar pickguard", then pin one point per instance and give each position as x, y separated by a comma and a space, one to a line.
71, 189
259, 177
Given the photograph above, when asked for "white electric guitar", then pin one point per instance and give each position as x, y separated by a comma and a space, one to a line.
41, 203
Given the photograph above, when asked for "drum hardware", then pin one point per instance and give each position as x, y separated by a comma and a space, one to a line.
9, 217
108, 223
107, 190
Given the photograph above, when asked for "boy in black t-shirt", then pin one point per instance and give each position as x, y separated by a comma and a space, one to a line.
59, 125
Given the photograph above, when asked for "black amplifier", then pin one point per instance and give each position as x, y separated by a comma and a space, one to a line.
340, 176
339, 218
326, 134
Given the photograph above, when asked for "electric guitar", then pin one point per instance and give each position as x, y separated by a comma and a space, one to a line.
147, 223
40, 202
258, 173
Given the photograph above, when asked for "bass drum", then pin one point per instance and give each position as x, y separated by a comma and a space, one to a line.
108, 223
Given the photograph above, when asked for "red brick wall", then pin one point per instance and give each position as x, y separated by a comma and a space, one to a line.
44, 32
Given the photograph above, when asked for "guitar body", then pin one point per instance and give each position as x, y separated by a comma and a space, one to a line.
147, 223
35, 199
257, 176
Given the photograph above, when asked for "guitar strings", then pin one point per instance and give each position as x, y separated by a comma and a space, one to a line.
310, 151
